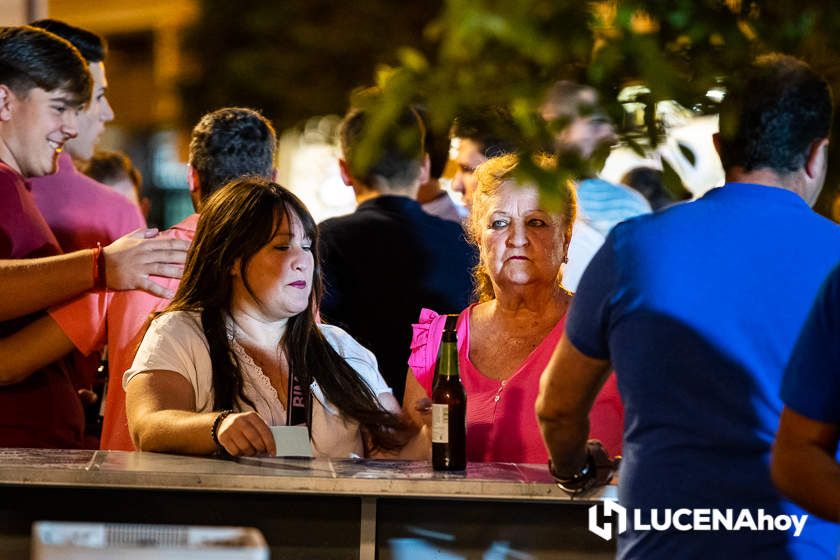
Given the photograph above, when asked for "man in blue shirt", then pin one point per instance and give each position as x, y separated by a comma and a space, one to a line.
805, 465
697, 308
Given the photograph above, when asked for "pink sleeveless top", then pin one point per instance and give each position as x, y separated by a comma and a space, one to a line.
501, 423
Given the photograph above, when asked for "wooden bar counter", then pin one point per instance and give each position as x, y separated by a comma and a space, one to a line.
306, 508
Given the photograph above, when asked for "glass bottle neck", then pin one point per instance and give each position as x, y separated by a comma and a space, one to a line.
447, 363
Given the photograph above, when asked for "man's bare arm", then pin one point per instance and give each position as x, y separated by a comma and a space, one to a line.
31, 348
33, 284
804, 467
568, 388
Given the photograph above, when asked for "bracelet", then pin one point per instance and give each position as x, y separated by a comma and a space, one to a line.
100, 280
214, 431
580, 481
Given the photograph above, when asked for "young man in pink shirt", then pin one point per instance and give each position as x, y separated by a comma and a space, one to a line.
80, 211
226, 144
43, 83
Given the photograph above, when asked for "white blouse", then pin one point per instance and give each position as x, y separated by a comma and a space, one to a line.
175, 342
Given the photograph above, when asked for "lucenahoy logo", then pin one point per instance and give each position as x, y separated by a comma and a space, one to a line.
684, 519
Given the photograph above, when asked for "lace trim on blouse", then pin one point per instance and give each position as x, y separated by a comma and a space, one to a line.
258, 387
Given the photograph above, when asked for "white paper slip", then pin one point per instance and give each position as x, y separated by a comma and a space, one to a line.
292, 441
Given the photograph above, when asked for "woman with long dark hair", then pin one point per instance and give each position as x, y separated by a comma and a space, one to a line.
215, 367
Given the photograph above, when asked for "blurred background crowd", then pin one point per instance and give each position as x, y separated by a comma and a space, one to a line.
171, 61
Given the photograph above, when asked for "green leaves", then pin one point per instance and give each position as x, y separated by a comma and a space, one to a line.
299, 58
413, 60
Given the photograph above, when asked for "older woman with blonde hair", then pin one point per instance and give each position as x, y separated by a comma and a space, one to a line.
506, 339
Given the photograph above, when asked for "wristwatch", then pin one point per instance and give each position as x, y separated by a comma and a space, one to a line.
579, 482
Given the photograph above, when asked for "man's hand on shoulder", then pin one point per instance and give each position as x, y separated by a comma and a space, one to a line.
131, 259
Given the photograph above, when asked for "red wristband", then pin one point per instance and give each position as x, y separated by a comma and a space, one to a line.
100, 280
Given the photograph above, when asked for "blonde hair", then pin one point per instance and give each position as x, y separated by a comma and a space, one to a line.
491, 176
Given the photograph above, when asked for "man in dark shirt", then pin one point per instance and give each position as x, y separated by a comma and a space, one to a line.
386, 261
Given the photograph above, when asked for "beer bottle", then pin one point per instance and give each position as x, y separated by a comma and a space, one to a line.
449, 408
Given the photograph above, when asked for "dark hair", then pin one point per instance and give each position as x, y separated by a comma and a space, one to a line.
230, 143
398, 158
770, 117
31, 58
235, 223
650, 183
109, 166
436, 145
92, 46
491, 128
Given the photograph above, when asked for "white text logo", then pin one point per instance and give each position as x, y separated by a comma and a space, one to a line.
684, 519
